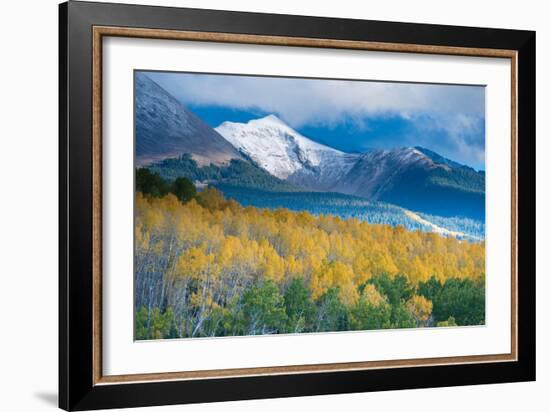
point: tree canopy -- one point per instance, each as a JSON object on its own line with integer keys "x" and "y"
{"x": 207, "y": 266}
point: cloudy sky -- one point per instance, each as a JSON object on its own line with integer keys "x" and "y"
{"x": 347, "y": 115}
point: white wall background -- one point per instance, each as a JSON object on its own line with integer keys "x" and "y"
{"x": 28, "y": 206}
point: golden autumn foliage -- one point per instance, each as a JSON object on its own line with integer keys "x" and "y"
{"x": 420, "y": 308}
{"x": 211, "y": 267}
{"x": 222, "y": 238}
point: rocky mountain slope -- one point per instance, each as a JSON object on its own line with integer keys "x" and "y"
{"x": 167, "y": 129}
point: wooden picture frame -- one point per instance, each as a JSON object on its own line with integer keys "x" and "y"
{"x": 83, "y": 26}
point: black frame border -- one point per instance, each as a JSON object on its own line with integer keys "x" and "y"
{"x": 76, "y": 387}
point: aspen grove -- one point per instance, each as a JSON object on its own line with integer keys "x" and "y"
{"x": 206, "y": 266}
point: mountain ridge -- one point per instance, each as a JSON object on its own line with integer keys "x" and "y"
{"x": 408, "y": 176}
{"x": 287, "y": 154}
{"x": 166, "y": 129}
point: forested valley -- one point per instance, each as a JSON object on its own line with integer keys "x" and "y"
{"x": 207, "y": 266}
{"x": 250, "y": 185}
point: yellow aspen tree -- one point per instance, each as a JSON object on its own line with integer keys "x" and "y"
{"x": 420, "y": 308}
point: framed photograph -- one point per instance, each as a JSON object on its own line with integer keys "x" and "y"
{"x": 256, "y": 205}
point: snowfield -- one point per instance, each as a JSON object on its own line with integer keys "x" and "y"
{"x": 286, "y": 154}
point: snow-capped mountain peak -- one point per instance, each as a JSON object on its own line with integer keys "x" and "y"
{"x": 270, "y": 120}
{"x": 413, "y": 177}
{"x": 281, "y": 150}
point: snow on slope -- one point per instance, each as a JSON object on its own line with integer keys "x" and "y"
{"x": 377, "y": 170}
{"x": 438, "y": 229}
{"x": 285, "y": 153}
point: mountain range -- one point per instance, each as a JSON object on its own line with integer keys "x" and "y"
{"x": 267, "y": 153}
{"x": 412, "y": 177}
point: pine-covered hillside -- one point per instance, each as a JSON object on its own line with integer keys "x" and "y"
{"x": 238, "y": 173}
